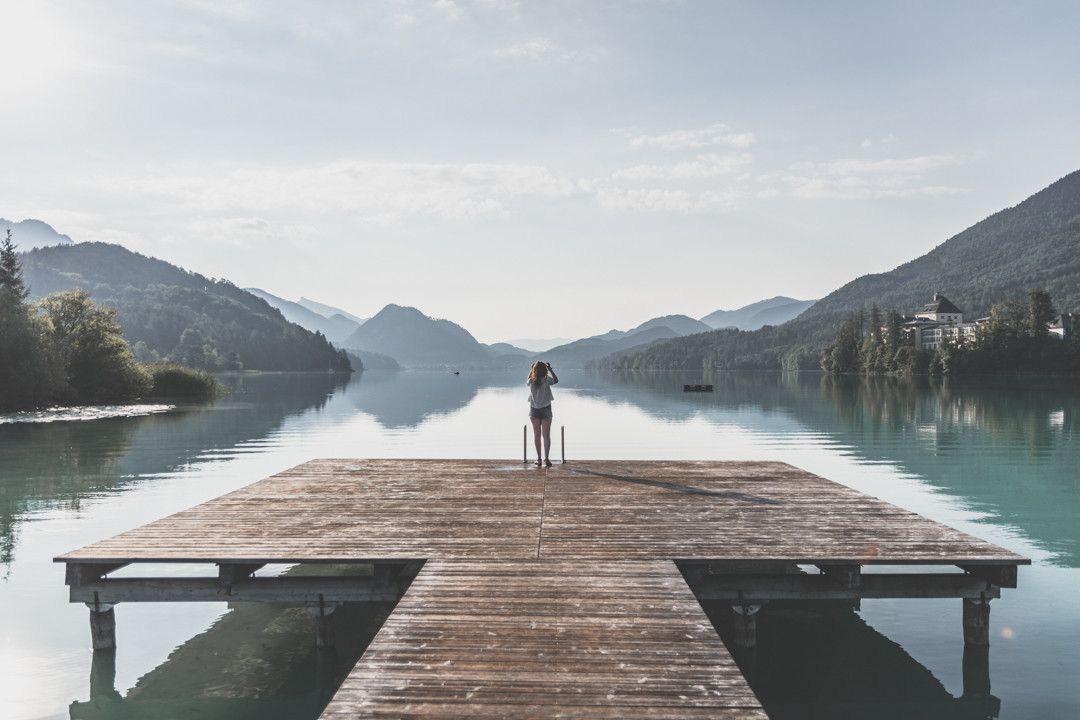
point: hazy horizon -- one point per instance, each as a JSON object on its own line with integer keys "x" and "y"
{"x": 533, "y": 170}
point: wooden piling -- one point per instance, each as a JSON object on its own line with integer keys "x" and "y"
{"x": 525, "y": 444}
{"x": 562, "y": 442}
{"x": 102, "y": 626}
{"x": 976, "y": 621}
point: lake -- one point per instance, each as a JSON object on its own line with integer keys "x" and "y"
{"x": 998, "y": 458}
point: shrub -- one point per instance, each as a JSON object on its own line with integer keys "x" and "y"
{"x": 171, "y": 380}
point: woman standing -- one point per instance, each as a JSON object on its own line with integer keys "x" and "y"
{"x": 541, "y": 378}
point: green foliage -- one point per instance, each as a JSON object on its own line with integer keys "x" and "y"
{"x": 11, "y": 277}
{"x": 1015, "y": 339}
{"x": 157, "y": 304}
{"x": 172, "y": 381}
{"x": 26, "y": 373}
{"x": 1033, "y": 244}
{"x": 85, "y": 340}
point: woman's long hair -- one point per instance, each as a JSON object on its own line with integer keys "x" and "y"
{"x": 537, "y": 372}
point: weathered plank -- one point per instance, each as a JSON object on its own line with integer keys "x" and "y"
{"x": 546, "y": 639}
{"x": 350, "y": 510}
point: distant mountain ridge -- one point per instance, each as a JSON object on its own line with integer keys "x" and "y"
{"x": 328, "y": 311}
{"x": 30, "y": 233}
{"x": 157, "y": 303}
{"x": 336, "y": 327}
{"x": 416, "y": 340}
{"x": 1034, "y": 244}
{"x": 580, "y": 352}
{"x": 773, "y": 311}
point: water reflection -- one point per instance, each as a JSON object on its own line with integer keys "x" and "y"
{"x": 1007, "y": 448}
{"x": 50, "y": 466}
{"x": 1005, "y": 452}
{"x": 406, "y": 399}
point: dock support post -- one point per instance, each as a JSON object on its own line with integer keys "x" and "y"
{"x": 562, "y": 442}
{"x": 745, "y": 626}
{"x": 525, "y": 444}
{"x": 102, "y": 626}
{"x": 977, "y": 622}
{"x": 324, "y": 623}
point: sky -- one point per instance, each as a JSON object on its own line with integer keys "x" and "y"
{"x": 533, "y": 168}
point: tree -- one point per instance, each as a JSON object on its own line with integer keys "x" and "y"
{"x": 191, "y": 350}
{"x": 24, "y": 377}
{"x": 11, "y": 277}
{"x": 1040, "y": 312}
{"x": 85, "y": 340}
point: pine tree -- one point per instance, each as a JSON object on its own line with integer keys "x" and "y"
{"x": 11, "y": 278}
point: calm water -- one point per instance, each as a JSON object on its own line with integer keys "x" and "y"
{"x": 999, "y": 459}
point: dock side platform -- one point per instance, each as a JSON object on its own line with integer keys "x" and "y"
{"x": 564, "y": 592}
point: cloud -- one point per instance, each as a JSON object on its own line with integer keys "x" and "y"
{"x": 383, "y": 192}
{"x": 541, "y": 51}
{"x": 714, "y": 135}
{"x": 703, "y": 166}
{"x": 861, "y": 178}
{"x": 665, "y": 200}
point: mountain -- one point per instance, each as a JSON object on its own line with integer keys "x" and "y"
{"x": 416, "y": 340}
{"x": 773, "y": 311}
{"x": 336, "y": 327}
{"x": 580, "y": 352}
{"x": 536, "y": 345}
{"x": 363, "y": 360}
{"x": 500, "y": 349}
{"x": 1035, "y": 244}
{"x": 328, "y": 310}
{"x": 31, "y": 233}
{"x": 168, "y": 312}
{"x": 681, "y": 324}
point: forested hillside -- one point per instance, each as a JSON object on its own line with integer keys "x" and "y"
{"x": 169, "y": 313}
{"x": 1034, "y": 245}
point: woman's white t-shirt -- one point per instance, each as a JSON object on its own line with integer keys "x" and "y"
{"x": 540, "y": 392}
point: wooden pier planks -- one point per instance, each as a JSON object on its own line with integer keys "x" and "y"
{"x": 560, "y": 639}
{"x": 339, "y": 510}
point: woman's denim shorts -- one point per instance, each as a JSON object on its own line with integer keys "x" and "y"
{"x": 543, "y": 413}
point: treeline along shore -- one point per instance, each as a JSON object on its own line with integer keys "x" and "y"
{"x": 65, "y": 349}
{"x": 1020, "y": 335}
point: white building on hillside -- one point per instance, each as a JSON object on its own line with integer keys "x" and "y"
{"x": 938, "y": 322}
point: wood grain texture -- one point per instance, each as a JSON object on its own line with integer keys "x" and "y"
{"x": 557, "y": 639}
{"x": 355, "y": 510}
{"x": 546, "y": 593}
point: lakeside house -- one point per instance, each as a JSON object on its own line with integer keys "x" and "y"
{"x": 941, "y": 321}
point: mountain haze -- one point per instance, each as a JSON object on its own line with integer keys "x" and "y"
{"x": 336, "y": 327}
{"x": 328, "y": 311}
{"x": 1035, "y": 244}
{"x": 773, "y": 311}
{"x": 416, "y": 340}
{"x": 580, "y": 352}
{"x": 29, "y": 234}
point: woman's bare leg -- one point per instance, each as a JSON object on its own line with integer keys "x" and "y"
{"x": 546, "y": 426}
{"x": 536, "y": 436}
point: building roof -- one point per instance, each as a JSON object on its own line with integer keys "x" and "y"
{"x": 940, "y": 304}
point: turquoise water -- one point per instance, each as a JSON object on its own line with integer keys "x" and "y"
{"x": 997, "y": 458}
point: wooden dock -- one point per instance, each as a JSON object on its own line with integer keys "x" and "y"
{"x": 561, "y": 592}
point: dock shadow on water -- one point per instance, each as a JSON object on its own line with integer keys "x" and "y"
{"x": 811, "y": 663}
{"x": 257, "y": 662}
